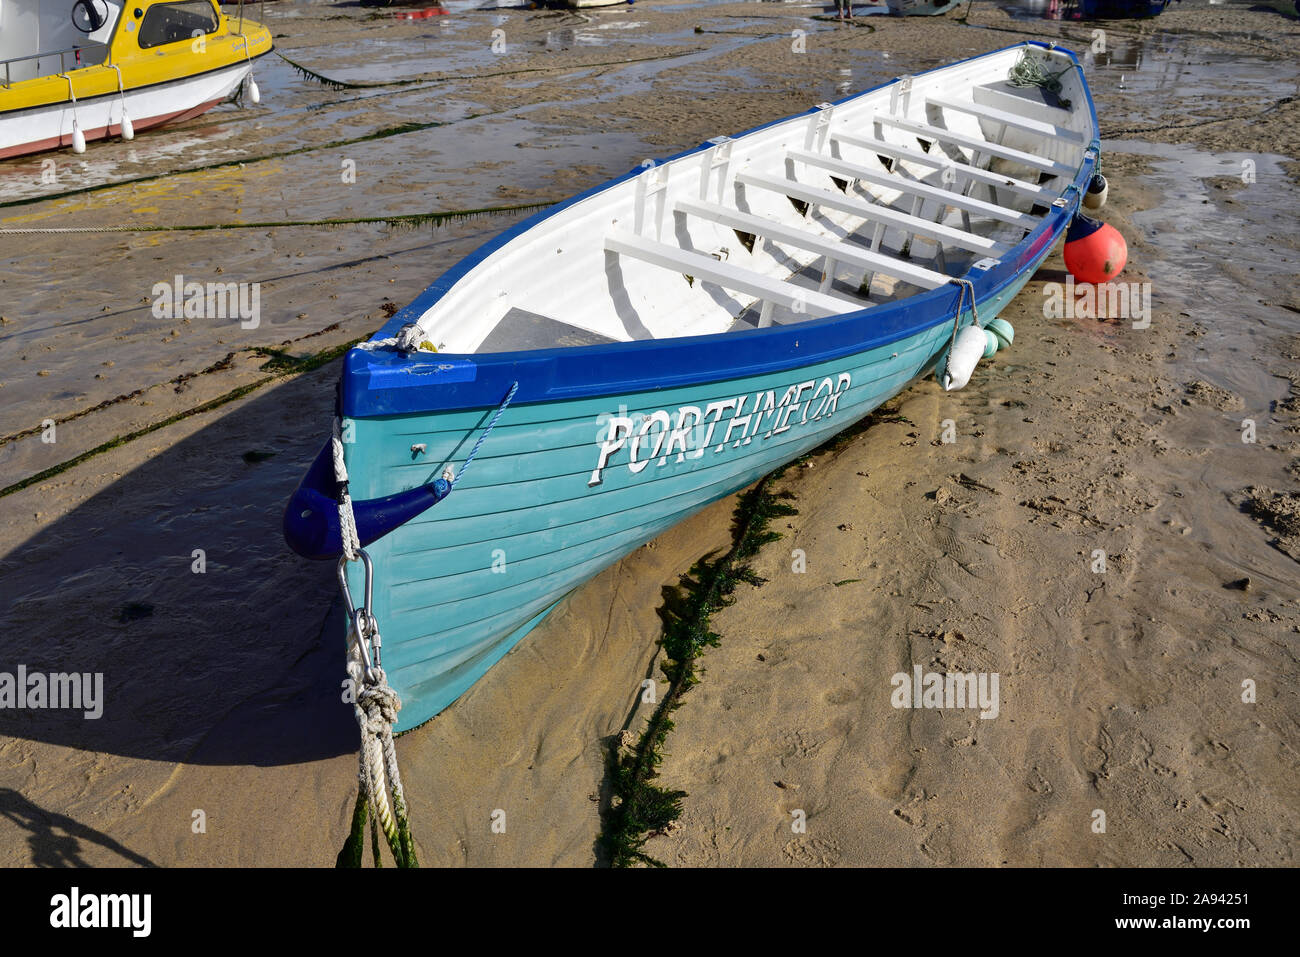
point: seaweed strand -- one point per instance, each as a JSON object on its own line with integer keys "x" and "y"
{"x": 640, "y": 808}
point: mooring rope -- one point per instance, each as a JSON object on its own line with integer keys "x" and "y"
{"x": 347, "y": 521}
{"x": 375, "y": 703}
{"x": 409, "y": 219}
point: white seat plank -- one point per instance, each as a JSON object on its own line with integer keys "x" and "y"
{"x": 914, "y": 187}
{"x": 938, "y": 161}
{"x": 707, "y": 269}
{"x": 928, "y": 132}
{"x": 1022, "y": 105}
{"x": 830, "y": 248}
{"x": 1014, "y": 120}
{"x": 875, "y": 213}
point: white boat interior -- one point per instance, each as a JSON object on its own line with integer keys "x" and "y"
{"x": 886, "y": 195}
{"x": 45, "y": 37}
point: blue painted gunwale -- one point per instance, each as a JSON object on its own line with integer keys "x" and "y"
{"x": 384, "y": 382}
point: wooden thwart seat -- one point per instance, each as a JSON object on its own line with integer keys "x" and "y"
{"x": 916, "y": 188}
{"x": 1006, "y": 118}
{"x": 835, "y": 251}
{"x": 874, "y": 212}
{"x": 939, "y": 161}
{"x": 928, "y": 132}
{"x": 770, "y": 290}
{"x": 1023, "y": 105}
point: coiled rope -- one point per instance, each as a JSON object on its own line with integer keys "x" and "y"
{"x": 1031, "y": 71}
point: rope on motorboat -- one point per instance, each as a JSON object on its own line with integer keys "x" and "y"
{"x": 374, "y": 703}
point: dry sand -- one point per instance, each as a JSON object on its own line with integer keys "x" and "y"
{"x": 1120, "y": 691}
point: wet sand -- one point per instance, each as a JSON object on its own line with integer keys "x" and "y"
{"x": 1121, "y": 690}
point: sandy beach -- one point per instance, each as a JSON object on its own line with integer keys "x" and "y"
{"x": 958, "y": 532}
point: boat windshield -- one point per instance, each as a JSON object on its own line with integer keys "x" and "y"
{"x": 169, "y": 22}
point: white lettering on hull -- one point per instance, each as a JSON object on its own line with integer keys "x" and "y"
{"x": 689, "y": 432}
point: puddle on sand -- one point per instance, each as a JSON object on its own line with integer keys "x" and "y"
{"x": 1169, "y": 67}
{"x": 1217, "y": 253}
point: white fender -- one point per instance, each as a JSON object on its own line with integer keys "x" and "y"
{"x": 1098, "y": 190}
{"x": 965, "y": 354}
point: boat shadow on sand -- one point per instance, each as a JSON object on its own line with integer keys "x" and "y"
{"x": 239, "y": 663}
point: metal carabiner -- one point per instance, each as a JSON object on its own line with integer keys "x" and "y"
{"x": 369, "y": 580}
{"x": 363, "y": 621}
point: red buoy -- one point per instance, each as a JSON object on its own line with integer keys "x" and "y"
{"x": 1094, "y": 251}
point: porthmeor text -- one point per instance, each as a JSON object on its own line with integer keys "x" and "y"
{"x": 692, "y": 431}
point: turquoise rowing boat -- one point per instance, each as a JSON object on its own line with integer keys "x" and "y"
{"x": 603, "y": 370}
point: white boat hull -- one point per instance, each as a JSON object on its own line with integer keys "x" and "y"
{"x": 50, "y": 127}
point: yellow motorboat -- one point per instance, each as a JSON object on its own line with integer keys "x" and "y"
{"x": 78, "y": 70}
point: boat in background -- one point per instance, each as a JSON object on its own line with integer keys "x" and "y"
{"x": 453, "y": 6}
{"x": 922, "y": 8}
{"x": 1113, "y": 9}
{"x": 605, "y": 369}
{"x": 72, "y": 71}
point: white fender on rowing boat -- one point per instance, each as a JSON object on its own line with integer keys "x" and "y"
{"x": 128, "y": 128}
{"x": 965, "y": 354}
{"x": 78, "y": 138}
{"x": 1098, "y": 190}
{"x": 254, "y": 93}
